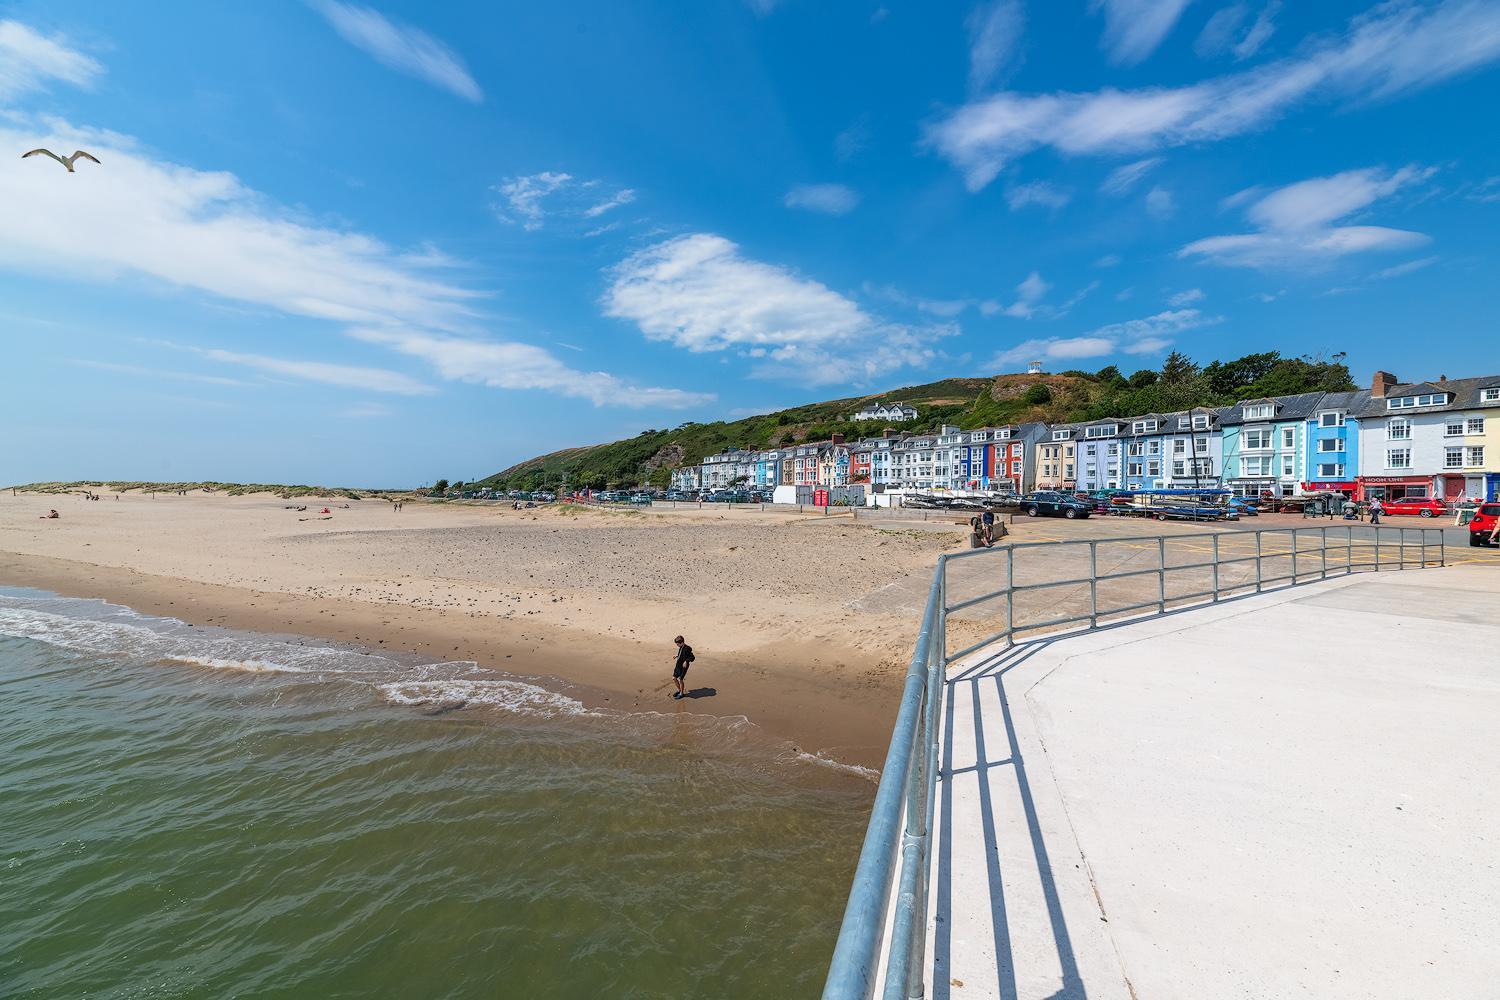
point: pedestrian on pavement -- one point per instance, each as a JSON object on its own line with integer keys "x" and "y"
{"x": 1376, "y": 509}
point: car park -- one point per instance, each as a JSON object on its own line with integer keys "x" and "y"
{"x": 1053, "y": 504}
{"x": 1420, "y": 506}
{"x": 641, "y": 499}
{"x": 1483, "y": 524}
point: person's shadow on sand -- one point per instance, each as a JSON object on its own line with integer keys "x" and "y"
{"x": 702, "y": 692}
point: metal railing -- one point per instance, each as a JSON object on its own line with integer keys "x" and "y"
{"x": 897, "y": 846}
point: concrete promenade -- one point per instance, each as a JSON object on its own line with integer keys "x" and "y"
{"x": 1292, "y": 794}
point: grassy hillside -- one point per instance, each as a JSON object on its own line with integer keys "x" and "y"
{"x": 650, "y": 456}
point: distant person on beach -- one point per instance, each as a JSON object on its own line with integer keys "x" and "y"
{"x": 50, "y": 515}
{"x": 680, "y": 668}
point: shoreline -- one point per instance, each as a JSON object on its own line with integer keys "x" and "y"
{"x": 820, "y": 697}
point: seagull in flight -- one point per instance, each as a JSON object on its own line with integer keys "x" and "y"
{"x": 66, "y": 161}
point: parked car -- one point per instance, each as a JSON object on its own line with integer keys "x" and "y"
{"x": 1420, "y": 506}
{"x": 641, "y": 499}
{"x": 1054, "y": 504}
{"x": 1483, "y": 524}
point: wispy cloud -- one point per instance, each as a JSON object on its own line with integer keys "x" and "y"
{"x": 529, "y": 200}
{"x": 1123, "y": 178}
{"x": 161, "y": 373}
{"x": 995, "y": 30}
{"x": 700, "y": 293}
{"x": 1150, "y": 335}
{"x": 945, "y": 308}
{"x": 401, "y": 47}
{"x": 29, "y": 61}
{"x": 829, "y": 199}
{"x": 1222, "y": 34}
{"x": 343, "y": 376}
{"x": 1395, "y": 48}
{"x": 853, "y": 140}
{"x": 1408, "y": 267}
{"x": 623, "y": 197}
{"x": 1160, "y": 202}
{"x": 508, "y": 365}
{"x": 1186, "y": 297}
{"x": 1036, "y": 193}
{"x": 1134, "y": 28}
{"x": 1295, "y": 222}
{"x": 1029, "y": 294}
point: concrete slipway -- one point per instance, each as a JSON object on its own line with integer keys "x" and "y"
{"x": 1295, "y": 794}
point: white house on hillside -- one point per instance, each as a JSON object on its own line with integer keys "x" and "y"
{"x": 894, "y": 412}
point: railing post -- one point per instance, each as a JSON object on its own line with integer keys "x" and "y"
{"x": 1257, "y": 562}
{"x": 1348, "y": 549}
{"x": 1010, "y": 595}
{"x": 1424, "y": 548}
{"x": 1161, "y": 574}
{"x": 1093, "y": 583}
{"x": 1377, "y": 548}
{"x": 1216, "y": 567}
{"x": 1294, "y": 557}
{"x": 1402, "y": 563}
{"x": 1442, "y": 549}
{"x": 1324, "y": 553}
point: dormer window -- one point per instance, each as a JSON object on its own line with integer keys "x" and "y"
{"x": 1143, "y": 427}
{"x": 1182, "y": 423}
{"x": 1200, "y": 422}
{"x": 1331, "y": 418}
{"x": 1061, "y": 435}
{"x": 1490, "y": 395}
{"x": 1102, "y": 431}
{"x": 1002, "y": 434}
{"x": 1407, "y": 402}
{"x": 1262, "y": 412}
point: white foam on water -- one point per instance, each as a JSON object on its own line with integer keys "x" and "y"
{"x": 868, "y": 773}
{"x": 511, "y": 695}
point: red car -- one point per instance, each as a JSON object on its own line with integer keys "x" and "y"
{"x": 1483, "y": 524}
{"x": 1421, "y": 506}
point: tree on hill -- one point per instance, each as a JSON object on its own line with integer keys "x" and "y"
{"x": 1178, "y": 368}
{"x": 441, "y": 486}
{"x": 1037, "y": 395}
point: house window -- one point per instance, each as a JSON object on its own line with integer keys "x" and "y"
{"x": 1490, "y": 395}
{"x": 1474, "y": 425}
{"x": 1015, "y": 468}
{"x": 1200, "y": 445}
{"x": 1258, "y": 465}
{"x": 1399, "y": 430}
{"x": 1398, "y": 458}
{"x": 1179, "y": 447}
{"x": 1257, "y": 440}
{"x": 1107, "y": 430}
{"x": 1331, "y": 444}
{"x": 1135, "y": 468}
{"x": 1200, "y": 422}
{"x": 1288, "y": 438}
{"x": 1182, "y": 423}
{"x": 1406, "y": 402}
{"x": 1332, "y": 418}
{"x": 1179, "y": 468}
{"x": 1259, "y": 412}
{"x": 1453, "y": 458}
{"x": 1287, "y": 465}
{"x": 1155, "y": 447}
{"x": 1060, "y": 435}
{"x": 1330, "y": 470}
{"x": 1114, "y": 449}
{"x": 1091, "y": 450}
{"x": 1475, "y": 456}
{"x": 1153, "y": 468}
{"x": 1143, "y": 426}
{"x": 1453, "y": 428}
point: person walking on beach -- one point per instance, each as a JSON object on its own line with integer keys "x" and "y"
{"x": 680, "y": 668}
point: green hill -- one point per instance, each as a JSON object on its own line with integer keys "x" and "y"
{"x": 650, "y": 456}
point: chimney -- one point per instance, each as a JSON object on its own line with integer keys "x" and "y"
{"x": 1382, "y": 382}
{"x": 890, "y": 432}
{"x": 837, "y": 438}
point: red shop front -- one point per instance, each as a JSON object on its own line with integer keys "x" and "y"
{"x": 1347, "y": 487}
{"x": 1394, "y": 487}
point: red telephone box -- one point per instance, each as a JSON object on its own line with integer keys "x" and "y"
{"x": 820, "y": 498}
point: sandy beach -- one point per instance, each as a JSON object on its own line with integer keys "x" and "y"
{"x": 800, "y": 623}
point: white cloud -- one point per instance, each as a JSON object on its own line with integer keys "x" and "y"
{"x": 145, "y": 372}
{"x": 1108, "y": 260}
{"x": 830, "y": 199}
{"x": 1036, "y": 193}
{"x": 142, "y": 216}
{"x": 1184, "y": 298}
{"x": 1395, "y": 48}
{"x": 401, "y": 47}
{"x": 1295, "y": 222}
{"x": 1160, "y": 203}
{"x": 1408, "y": 267}
{"x": 995, "y": 30}
{"x": 624, "y": 197}
{"x": 509, "y": 365}
{"x": 698, "y": 292}
{"x": 344, "y": 376}
{"x": 29, "y": 61}
{"x": 1486, "y": 191}
{"x": 1150, "y": 335}
{"x": 1134, "y": 28}
{"x": 1222, "y": 32}
{"x": 206, "y": 232}
{"x": 1123, "y": 178}
{"x": 524, "y": 196}
{"x": 1029, "y": 295}
{"x": 1313, "y": 203}
{"x": 946, "y": 308}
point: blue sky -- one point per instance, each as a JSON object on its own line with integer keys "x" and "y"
{"x": 339, "y": 243}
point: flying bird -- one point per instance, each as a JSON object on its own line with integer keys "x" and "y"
{"x": 66, "y": 161}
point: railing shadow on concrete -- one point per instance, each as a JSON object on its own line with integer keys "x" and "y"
{"x": 898, "y": 839}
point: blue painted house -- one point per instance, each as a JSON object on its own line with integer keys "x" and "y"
{"x": 1332, "y": 459}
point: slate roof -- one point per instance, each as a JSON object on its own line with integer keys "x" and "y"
{"x": 1466, "y": 393}
{"x": 1298, "y": 407}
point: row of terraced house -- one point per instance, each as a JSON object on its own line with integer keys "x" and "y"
{"x": 1393, "y": 440}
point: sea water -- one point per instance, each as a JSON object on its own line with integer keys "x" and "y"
{"x": 190, "y": 812}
